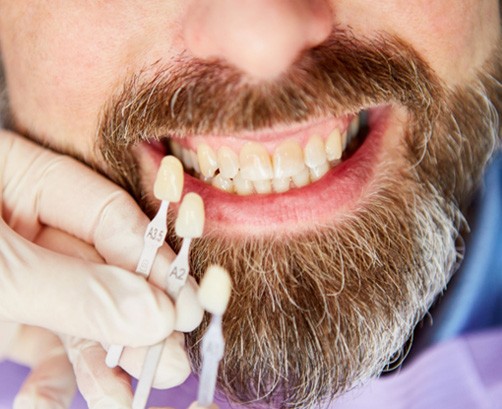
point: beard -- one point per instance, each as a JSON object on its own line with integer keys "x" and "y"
{"x": 316, "y": 313}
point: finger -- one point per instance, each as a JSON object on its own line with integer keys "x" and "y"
{"x": 9, "y": 332}
{"x": 195, "y": 405}
{"x": 58, "y": 191}
{"x": 101, "y": 387}
{"x": 173, "y": 368}
{"x": 189, "y": 313}
{"x": 72, "y": 296}
{"x": 51, "y": 192}
{"x": 51, "y": 383}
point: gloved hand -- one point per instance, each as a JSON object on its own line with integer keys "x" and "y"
{"x": 91, "y": 294}
{"x": 195, "y": 405}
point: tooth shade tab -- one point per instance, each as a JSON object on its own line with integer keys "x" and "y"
{"x": 215, "y": 289}
{"x": 191, "y": 216}
{"x": 169, "y": 181}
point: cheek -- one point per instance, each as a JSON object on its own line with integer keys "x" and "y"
{"x": 454, "y": 37}
{"x": 63, "y": 64}
{"x": 57, "y": 79}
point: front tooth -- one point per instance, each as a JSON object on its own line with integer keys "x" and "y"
{"x": 344, "y": 140}
{"x": 242, "y": 186}
{"x": 334, "y": 145}
{"x": 302, "y": 178}
{"x": 255, "y": 162}
{"x": 262, "y": 186}
{"x": 191, "y": 216}
{"x": 207, "y": 160}
{"x": 288, "y": 159}
{"x": 319, "y": 171}
{"x": 314, "y": 152}
{"x": 228, "y": 162}
{"x": 281, "y": 185}
{"x": 223, "y": 183}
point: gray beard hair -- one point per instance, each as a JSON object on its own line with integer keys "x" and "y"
{"x": 317, "y": 314}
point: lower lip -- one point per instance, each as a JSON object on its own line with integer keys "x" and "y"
{"x": 319, "y": 203}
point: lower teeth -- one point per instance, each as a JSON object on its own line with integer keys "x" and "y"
{"x": 244, "y": 187}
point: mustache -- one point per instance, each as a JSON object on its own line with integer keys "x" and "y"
{"x": 340, "y": 76}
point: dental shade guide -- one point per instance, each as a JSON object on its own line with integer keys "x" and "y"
{"x": 214, "y": 294}
{"x": 167, "y": 188}
{"x": 189, "y": 225}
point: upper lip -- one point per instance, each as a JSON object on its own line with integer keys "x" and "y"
{"x": 279, "y": 162}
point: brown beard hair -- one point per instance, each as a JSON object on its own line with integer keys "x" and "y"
{"x": 315, "y": 314}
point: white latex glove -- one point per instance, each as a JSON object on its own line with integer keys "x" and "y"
{"x": 83, "y": 299}
{"x": 51, "y": 383}
{"x": 195, "y": 405}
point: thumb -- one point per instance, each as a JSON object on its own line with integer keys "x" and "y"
{"x": 79, "y": 298}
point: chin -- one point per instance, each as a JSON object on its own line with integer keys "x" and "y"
{"x": 338, "y": 227}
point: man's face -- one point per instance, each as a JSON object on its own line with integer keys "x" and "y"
{"x": 333, "y": 143}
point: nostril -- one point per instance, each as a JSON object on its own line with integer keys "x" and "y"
{"x": 262, "y": 38}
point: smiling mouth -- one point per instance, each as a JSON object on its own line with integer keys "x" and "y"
{"x": 291, "y": 176}
{"x": 271, "y": 164}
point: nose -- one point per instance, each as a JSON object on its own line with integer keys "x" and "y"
{"x": 260, "y": 37}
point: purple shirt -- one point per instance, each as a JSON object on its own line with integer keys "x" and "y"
{"x": 463, "y": 373}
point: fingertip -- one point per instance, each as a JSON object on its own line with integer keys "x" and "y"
{"x": 127, "y": 310}
{"x": 189, "y": 312}
{"x": 174, "y": 366}
{"x": 24, "y": 401}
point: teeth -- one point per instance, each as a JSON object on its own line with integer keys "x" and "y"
{"x": 353, "y": 127}
{"x": 186, "y": 158}
{"x": 195, "y": 161}
{"x": 302, "y": 179}
{"x": 228, "y": 161}
{"x": 344, "y": 141}
{"x": 263, "y": 186}
{"x": 243, "y": 186}
{"x": 319, "y": 171}
{"x": 207, "y": 160}
{"x": 176, "y": 148}
{"x": 223, "y": 183}
{"x": 314, "y": 153}
{"x": 281, "y": 185}
{"x": 334, "y": 145}
{"x": 255, "y": 162}
{"x": 254, "y": 169}
{"x": 288, "y": 159}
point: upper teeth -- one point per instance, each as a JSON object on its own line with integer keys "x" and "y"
{"x": 253, "y": 169}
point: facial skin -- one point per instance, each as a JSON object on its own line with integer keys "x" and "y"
{"x": 329, "y": 279}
